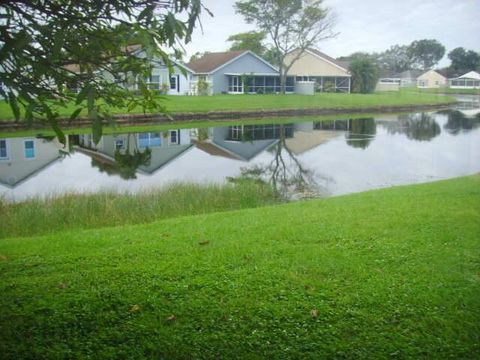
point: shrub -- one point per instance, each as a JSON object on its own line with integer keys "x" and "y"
{"x": 364, "y": 75}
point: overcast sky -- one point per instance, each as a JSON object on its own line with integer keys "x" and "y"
{"x": 364, "y": 25}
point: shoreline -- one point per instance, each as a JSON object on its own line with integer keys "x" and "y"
{"x": 226, "y": 115}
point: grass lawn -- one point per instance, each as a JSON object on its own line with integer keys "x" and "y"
{"x": 390, "y": 273}
{"x": 444, "y": 90}
{"x": 84, "y": 211}
{"x": 257, "y": 102}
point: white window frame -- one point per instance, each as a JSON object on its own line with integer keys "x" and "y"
{"x": 25, "y": 149}
{"x": 122, "y": 146}
{"x": 177, "y": 134}
{"x": 173, "y": 77}
{"x": 7, "y": 149}
{"x": 149, "y": 146}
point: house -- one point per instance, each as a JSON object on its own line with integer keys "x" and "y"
{"x": 238, "y": 72}
{"x": 243, "y": 142}
{"x": 470, "y": 80}
{"x": 431, "y": 79}
{"x": 403, "y": 79}
{"x": 329, "y": 74}
{"x": 24, "y": 157}
{"x": 165, "y": 146}
{"x": 175, "y": 83}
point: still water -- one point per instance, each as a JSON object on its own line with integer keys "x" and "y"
{"x": 300, "y": 158}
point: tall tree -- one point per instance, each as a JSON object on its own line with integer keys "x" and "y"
{"x": 290, "y": 24}
{"x": 50, "y": 46}
{"x": 364, "y": 75}
{"x": 396, "y": 59}
{"x": 426, "y": 53}
{"x": 463, "y": 60}
{"x": 252, "y": 40}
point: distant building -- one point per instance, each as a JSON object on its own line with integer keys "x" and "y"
{"x": 470, "y": 80}
{"x": 431, "y": 80}
{"x": 403, "y": 79}
{"x": 329, "y": 74}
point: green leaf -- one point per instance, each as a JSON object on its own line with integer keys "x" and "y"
{"x": 29, "y": 114}
{"x": 82, "y": 95}
{"x": 97, "y": 129}
{"x": 12, "y": 100}
{"x": 75, "y": 114}
{"x": 91, "y": 103}
{"x": 146, "y": 13}
{"x": 58, "y": 131}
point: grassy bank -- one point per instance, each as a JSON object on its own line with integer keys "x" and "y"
{"x": 203, "y": 104}
{"x": 444, "y": 91}
{"x": 385, "y": 274}
{"x": 82, "y": 211}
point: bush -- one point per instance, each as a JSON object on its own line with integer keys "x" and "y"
{"x": 203, "y": 88}
{"x": 364, "y": 76}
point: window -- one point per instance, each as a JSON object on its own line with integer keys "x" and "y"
{"x": 173, "y": 82}
{"x": 235, "y": 84}
{"x": 149, "y": 140}
{"x": 29, "y": 149}
{"x": 174, "y": 137}
{"x": 3, "y": 150}
{"x": 119, "y": 144}
{"x": 153, "y": 82}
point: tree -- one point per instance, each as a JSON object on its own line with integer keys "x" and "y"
{"x": 426, "y": 53}
{"x": 252, "y": 40}
{"x": 362, "y": 132}
{"x": 463, "y": 60}
{"x": 198, "y": 55}
{"x": 52, "y": 46}
{"x": 396, "y": 59}
{"x": 364, "y": 75}
{"x": 290, "y": 24}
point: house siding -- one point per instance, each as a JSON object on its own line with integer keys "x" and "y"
{"x": 431, "y": 79}
{"x": 246, "y": 64}
{"x": 312, "y": 65}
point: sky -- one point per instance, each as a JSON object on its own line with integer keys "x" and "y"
{"x": 363, "y": 25}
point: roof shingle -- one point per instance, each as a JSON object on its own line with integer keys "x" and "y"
{"x": 212, "y": 61}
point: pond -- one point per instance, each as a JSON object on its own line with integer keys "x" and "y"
{"x": 300, "y": 158}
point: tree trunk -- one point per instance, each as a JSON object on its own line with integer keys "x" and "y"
{"x": 283, "y": 77}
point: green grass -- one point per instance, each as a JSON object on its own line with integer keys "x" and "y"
{"x": 83, "y": 211}
{"x": 443, "y": 90}
{"x": 203, "y": 104}
{"x": 392, "y": 273}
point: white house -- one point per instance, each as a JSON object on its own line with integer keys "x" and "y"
{"x": 431, "y": 79}
{"x": 470, "y": 80}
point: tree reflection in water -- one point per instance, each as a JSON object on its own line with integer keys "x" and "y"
{"x": 458, "y": 122}
{"x": 126, "y": 162}
{"x": 288, "y": 176}
{"x": 362, "y": 132}
{"x": 420, "y": 126}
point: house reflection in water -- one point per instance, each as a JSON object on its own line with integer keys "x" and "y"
{"x": 245, "y": 142}
{"x": 161, "y": 148}
{"x": 23, "y": 157}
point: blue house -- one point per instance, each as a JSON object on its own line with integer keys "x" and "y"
{"x": 238, "y": 72}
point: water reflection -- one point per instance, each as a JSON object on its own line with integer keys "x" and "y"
{"x": 289, "y": 176}
{"x": 420, "y": 127}
{"x": 362, "y": 132}
{"x": 459, "y": 122}
{"x": 313, "y": 157}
